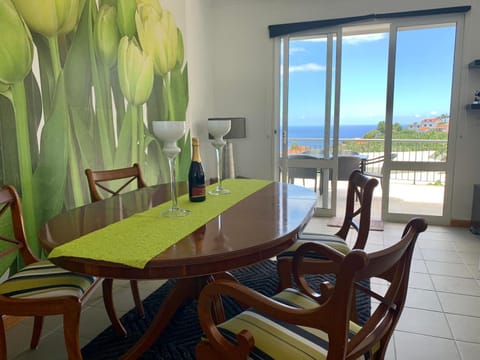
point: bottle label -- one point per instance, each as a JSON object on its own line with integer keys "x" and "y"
{"x": 198, "y": 191}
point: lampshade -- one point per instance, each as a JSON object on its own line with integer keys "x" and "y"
{"x": 238, "y": 129}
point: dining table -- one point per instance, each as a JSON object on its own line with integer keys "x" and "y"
{"x": 257, "y": 221}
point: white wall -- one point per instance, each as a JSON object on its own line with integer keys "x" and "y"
{"x": 231, "y": 73}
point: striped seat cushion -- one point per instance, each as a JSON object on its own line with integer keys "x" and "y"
{"x": 43, "y": 279}
{"x": 331, "y": 240}
{"x": 275, "y": 339}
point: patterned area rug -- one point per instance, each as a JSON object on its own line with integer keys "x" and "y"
{"x": 179, "y": 339}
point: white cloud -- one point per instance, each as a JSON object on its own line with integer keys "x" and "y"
{"x": 307, "y": 68}
{"x": 358, "y": 39}
{"x": 319, "y": 39}
{"x": 297, "y": 49}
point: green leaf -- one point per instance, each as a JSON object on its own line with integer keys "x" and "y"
{"x": 184, "y": 158}
{"x": 103, "y": 107}
{"x": 156, "y": 165}
{"x": 156, "y": 104}
{"x": 78, "y": 74}
{"x": 83, "y": 138}
{"x": 49, "y": 179}
{"x": 34, "y": 109}
{"x": 6, "y": 229}
{"x": 123, "y": 155}
{"x": 179, "y": 88}
{"x": 9, "y": 170}
{"x": 118, "y": 98}
{"x": 47, "y": 78}
{"x": 78, "y": 77}
{"x": 155, "y": 168}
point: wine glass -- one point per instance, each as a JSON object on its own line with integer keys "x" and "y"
{"x": 169, "y": 132}
{"x": 218, "y": 129}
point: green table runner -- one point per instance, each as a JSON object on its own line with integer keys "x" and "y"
{"x": 135, "y": 240}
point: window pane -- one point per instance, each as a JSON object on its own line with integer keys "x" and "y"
{"x": 417, "y": 192}
{"x": 422, "y": 92}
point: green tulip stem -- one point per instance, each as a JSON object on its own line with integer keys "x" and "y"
{"x": 102, "y": 110}
{"x": 54, "y": 55}
{"x": 171, "y": 106}
{"x": 73, "y": 165}
{"x": 141, "y": 135}
{"x": 72, "y": 157}
{"x": 103, "y": 127}
{"x": 109, "y": 106}
{"x": 132, "y": 111}
{"x": 19, "y": 103}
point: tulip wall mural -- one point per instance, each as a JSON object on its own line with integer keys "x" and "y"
{"x": 81, "y": 82}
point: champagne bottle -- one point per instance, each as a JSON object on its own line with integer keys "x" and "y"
{"x": 196, "y": 175}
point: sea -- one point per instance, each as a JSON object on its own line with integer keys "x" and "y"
{"x": 346, "y": 132}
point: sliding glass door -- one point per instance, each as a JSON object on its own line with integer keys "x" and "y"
{"x": 363, "y": 93}
{"x": 420, "y": 120}
{"x": 373, "y": 90}
{"x": 309, "y": 126}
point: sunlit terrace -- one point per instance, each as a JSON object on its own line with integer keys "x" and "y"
{"x": 410, "y": 192}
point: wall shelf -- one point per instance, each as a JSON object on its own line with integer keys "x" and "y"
{"x": 473, "y": 107}
{"x": 474, "y": 64}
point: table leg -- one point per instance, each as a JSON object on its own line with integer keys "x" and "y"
{"x": 107, "y": 286}
{"x": 184, "y": 290}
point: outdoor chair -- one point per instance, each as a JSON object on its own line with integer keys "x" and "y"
{"x": 299, "y": 324}
{"x": 347, "y": 164}
{"x": 101, "y": 184}
{"x": 303, "y": 172}
{"x": 375, "y": 163}
{"x": 39, "y": 288}
{"x": 357, "y": 216}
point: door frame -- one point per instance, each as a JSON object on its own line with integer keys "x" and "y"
{"x": 281, "y": 162}
{"x": 328, "y": 165}
{"x": 448, "y": 167}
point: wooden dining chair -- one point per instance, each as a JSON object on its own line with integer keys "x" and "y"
{"x": 357, "y": 217}
{"x": 299, "y": 324}
{"x": 102, "y": 184}
{"x": 39, "y": 288}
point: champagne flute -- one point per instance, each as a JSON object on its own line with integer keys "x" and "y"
{"x": 218, "y": 129}
{"x": 169, "y": 132}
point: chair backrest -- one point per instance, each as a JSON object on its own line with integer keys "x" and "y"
{"x": 358, "y": 208}
{"x": 13, "y": 238}
{"x": 391, "y": 264}
{"x": 103, "y": 181}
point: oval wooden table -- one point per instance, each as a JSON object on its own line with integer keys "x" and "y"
{"x": 255, "y": 229}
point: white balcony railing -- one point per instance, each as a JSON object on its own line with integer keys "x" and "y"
{"x": 411, "y": 150}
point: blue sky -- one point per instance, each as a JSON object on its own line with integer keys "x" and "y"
{"x": 422, "y": 83}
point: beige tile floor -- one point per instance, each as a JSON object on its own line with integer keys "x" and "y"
{"x": 441, "y": 320}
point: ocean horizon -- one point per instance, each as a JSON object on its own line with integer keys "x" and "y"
{"x": 316, "y": 132}
{"x": 346, "y": 131}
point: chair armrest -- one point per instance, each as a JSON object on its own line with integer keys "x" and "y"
{"x": 331, "y": 265}
{"x": 251, "y": 298}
